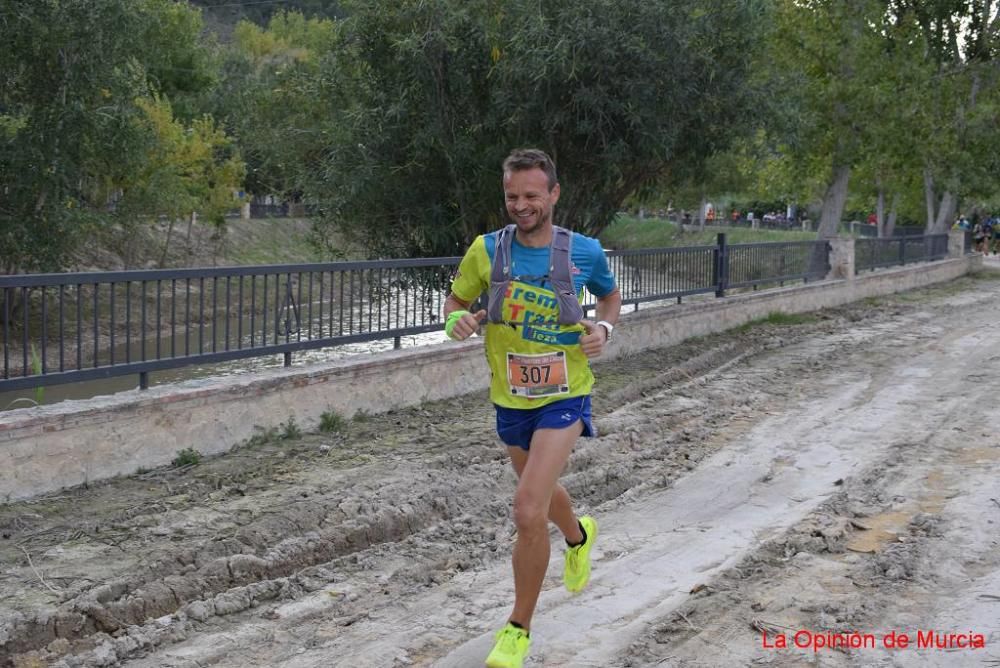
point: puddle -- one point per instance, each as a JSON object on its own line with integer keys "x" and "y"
{"x": 877, "y": 531}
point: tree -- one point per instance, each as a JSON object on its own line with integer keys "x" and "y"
{"x": 886, "y": 171}
{"x": 223, "y": 16}
{"x": 889, "y": 90}
{"x": 426, "y": 98}
{"x": 71, "y": 73}
{"x": 269, "y": 100}
{"x": 831, "y": 54}
{"x": 959, "y": 143}
{"x": 182, "y": 169}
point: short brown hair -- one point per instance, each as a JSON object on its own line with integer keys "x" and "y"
{"x": 521, "y": 159}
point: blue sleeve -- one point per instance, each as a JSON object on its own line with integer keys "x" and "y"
{"x": 601, "y": 281}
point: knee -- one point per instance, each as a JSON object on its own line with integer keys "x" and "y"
{"x": 529, "y": 514}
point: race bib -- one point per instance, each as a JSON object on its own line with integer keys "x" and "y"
{"x": 533, "y": 376}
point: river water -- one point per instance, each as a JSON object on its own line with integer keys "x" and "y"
{"x": 105, "y": 386}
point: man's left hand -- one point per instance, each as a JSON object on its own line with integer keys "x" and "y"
{"x": 594, "y": 339}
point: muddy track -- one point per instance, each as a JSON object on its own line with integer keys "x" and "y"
{"x": 334, "y": 528}
{"x": 889, "y": 552}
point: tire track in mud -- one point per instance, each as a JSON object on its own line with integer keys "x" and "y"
{"x": 252, "y": 565}
{"x": 359, "y": 644}
{"x": 909, "y": 545}
{"x": 397, "y": 505}
{"x": 876, "y": 558}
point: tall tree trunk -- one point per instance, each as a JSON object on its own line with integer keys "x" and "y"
{"x": 833, "y": 202}
{"x": 701, "y": 213}
{"x": 166, "y": 244}
{"x": 930, "y": 199}
{"x": 829, "y": 220}
{"x": 890, "y": 223}
{"x": 880, "y": 211}
{"x": 946, "y": 213}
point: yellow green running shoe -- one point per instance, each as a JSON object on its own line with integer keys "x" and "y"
{"x": 576, "y": 572}
{"x": 511, "y": 648}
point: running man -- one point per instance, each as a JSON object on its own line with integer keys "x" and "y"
{"x": 538, "y": 346}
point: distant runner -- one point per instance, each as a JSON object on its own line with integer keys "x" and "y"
{"x": 538, "y": 346}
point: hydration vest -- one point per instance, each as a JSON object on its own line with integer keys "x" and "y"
{"x": 560, "y": 275}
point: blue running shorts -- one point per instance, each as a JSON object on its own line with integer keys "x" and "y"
{"x": 516, "y": 426}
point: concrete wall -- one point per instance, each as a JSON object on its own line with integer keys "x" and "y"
{"x": 51, "y": 447}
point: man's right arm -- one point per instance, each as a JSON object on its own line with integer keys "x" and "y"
{"x": 459, "y": 323}
{"x": 467, "y": 323}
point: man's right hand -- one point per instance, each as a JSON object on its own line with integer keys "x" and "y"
{"x": 468, "y": 325}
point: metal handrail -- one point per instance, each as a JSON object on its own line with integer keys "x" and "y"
{"x": 871, "y": 254}
{"x": 70, "y": 327}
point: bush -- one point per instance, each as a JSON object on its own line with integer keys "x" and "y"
{"x": 331, "y": 421}
{"x": 290, "y": 430}
{"x": 186, "y": 457}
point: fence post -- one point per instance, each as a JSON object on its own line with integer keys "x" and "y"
{"x": 842, "y": 258}
{"x": 956, "y": 243}
{"x": 720, "y": 262}
{"x": 902, "y": 250}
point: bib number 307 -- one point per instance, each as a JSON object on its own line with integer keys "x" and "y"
{"x": 542, "y": 375}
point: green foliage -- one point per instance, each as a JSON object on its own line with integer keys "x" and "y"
{"x": 331, "y": 421}
{"x": 270, "y": 241}
{"x": 269, "y": 98}
{"x": 887, "y": 90}
{"x": 630, "y": 232}
{"x": 224, "y": 15}
{"x": 186, "y": 457}
{"x": 184, "y": 168}
{"x": 72, "y": 71}
{"x": 779, "y": 319}
{"x": 176, "y": 169}
{"x": 262, "y": 436}
{"x": 394, "y": 117}
{"x": 425, "y": 99}
{"x": 290, "y": 430}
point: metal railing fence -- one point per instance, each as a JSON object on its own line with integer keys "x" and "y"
{"x": 64, "y": 328}
{"x": 871, "y": 231}
{"x": 759, "y": 263}
{"x": 870, "y": 254}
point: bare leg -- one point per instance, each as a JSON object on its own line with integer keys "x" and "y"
{"x": 550, "y": 449}
{"x": 560, "y": 506}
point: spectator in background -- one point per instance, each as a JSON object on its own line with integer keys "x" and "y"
{"x": 979, "y": 237}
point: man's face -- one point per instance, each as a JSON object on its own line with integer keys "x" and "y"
{"x": 528, "y": 199}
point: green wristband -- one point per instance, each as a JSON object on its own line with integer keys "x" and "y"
{"x": 453, "y": 318}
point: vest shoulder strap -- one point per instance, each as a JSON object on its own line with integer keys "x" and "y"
{"x": 560, "y": 274}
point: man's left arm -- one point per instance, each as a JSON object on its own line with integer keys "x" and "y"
{"x": 596, "y": 337}
{"x": 609, "y": 304}
{"x": 609, "y": 307}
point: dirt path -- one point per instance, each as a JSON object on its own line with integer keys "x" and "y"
{"x": 822, "y": 477}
